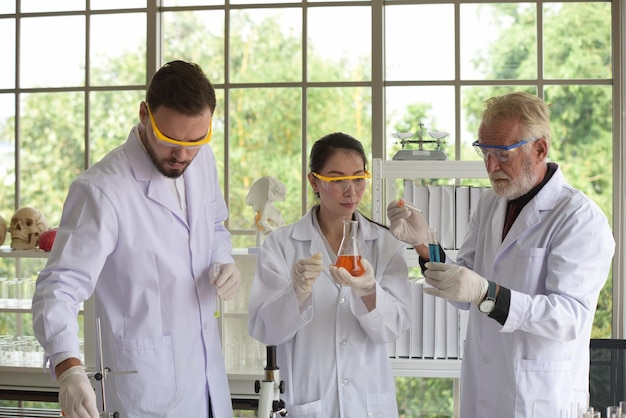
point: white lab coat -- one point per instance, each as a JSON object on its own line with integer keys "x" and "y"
{"x": 124, "y": 238}
{"x": 555, "y": 259}
{"x": 333, "y": 355}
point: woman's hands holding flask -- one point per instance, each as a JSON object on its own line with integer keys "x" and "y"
{"x": 362, "y": 285}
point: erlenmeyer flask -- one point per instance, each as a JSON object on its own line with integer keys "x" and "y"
{"x": 348, "y": 256}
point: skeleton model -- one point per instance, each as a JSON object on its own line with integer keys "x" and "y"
{"x": 27, "y": 225}
{"x": 263, "y": 192}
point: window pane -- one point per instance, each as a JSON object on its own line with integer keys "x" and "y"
{"x": 7, "y": 155}
{"x": 577, "y": 40}
{"x": 435, "y": 397}
{"x": 337, "y": 54}
{"x": 7, "y": 7}
{"x": 118, "y": 57}
{"x": 472, "y": 105}
{"x": 582, "y": 145}
{"x": 43, "y": 62}
{"x": 116, "y": 4}
{"x": 198, "y": 37}
{"x": 419, "y": 42}
{"x": 168, "y": 3}
{"x": 345, "y": 109}
{"x": 265, "y": 140}
{"x": 52, "y": 135}
{"x": 430, "y": 106}
{"x": 7, "y": 52}
{"x": 29, "y": 6}
{"x": 110, "y": 128}
{"x": 266, "y": 45}
{"x": 498, "y": 41}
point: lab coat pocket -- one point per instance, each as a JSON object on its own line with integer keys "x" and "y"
{"x": 543, "y": 387}
{"x": 313, "y": 409}
{"x": 529, "y": 267}
{"x": 382, "y": 405}
{"x": 153, "y": 386}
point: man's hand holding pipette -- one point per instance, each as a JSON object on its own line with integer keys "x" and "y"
{"x": 407, "y": 223}
{"x": 227, "y": 281}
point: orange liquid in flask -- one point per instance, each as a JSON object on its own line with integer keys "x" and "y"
{"x": 352, "y": 263}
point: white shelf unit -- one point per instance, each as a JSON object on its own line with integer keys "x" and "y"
{"x": 232, "y": 322}
{"x": 385, "y": 173}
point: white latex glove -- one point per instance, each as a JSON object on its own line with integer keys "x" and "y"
{"x": 362, "y": 285}
{"x": 407, "y": 225}
{"x": 76, "y": 395}
{"x": 454, "y": 282}
{"x": 304, "y": 274}
{"x": 227, "y": 282}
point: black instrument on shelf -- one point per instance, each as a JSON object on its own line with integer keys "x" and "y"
{"x": 269, "y": 390}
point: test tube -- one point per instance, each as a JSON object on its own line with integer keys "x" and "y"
{"x": 403, "y": 204}
{"x": 433, "y": 246}
{"x": 217, "y": 269}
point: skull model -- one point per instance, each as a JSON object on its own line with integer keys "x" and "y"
{"x": 27, "y": 224}
{"x": 3, "y": 230}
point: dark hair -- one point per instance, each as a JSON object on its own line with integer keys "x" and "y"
{"x": 182, "y": 86}
{"x": 327, "y": 145}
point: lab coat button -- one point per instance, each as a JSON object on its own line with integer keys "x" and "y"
{"x": 343, "y": 341}
{"x": 205, "y": 326}
{"x": 486, "y": 360}
{"x": 482, "y": 404}
{"x": 342, "y": 300}
{"x": 344, "y": 382}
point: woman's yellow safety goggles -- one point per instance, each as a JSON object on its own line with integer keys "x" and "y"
{"x": 170, "y": 142}
{"x": 341, "y": 183}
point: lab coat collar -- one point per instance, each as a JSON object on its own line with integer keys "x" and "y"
{"x": 144, "y": 170}
{"x": 530, "y": 215}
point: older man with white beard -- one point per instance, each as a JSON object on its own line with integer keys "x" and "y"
{"x": 530, "y": 271}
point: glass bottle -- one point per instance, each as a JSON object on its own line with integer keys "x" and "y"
{"x": 348, "y": 256}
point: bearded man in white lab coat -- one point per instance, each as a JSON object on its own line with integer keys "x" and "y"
{"x": 140, "y": 230}
{"x": 535, "y": 258}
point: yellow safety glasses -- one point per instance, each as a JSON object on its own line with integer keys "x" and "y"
{"x": 341, "y": 183}
{"x": 174, "y": 143}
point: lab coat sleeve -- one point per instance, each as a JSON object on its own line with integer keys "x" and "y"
{"x": 274, "y": 316}
{"x": 86, "y": 235}
{"x": 577, "y": 267}
{"x": 391, "y": 316}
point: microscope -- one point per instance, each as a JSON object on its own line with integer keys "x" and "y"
{"x": 269, "y": 390}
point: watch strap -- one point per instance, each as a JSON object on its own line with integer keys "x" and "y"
{"x": 491, "y": 291}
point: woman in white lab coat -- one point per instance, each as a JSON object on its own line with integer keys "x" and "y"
{"x": 331, "y": 329}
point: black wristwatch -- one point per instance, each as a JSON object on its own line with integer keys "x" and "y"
{"x": 487, "y": 305}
